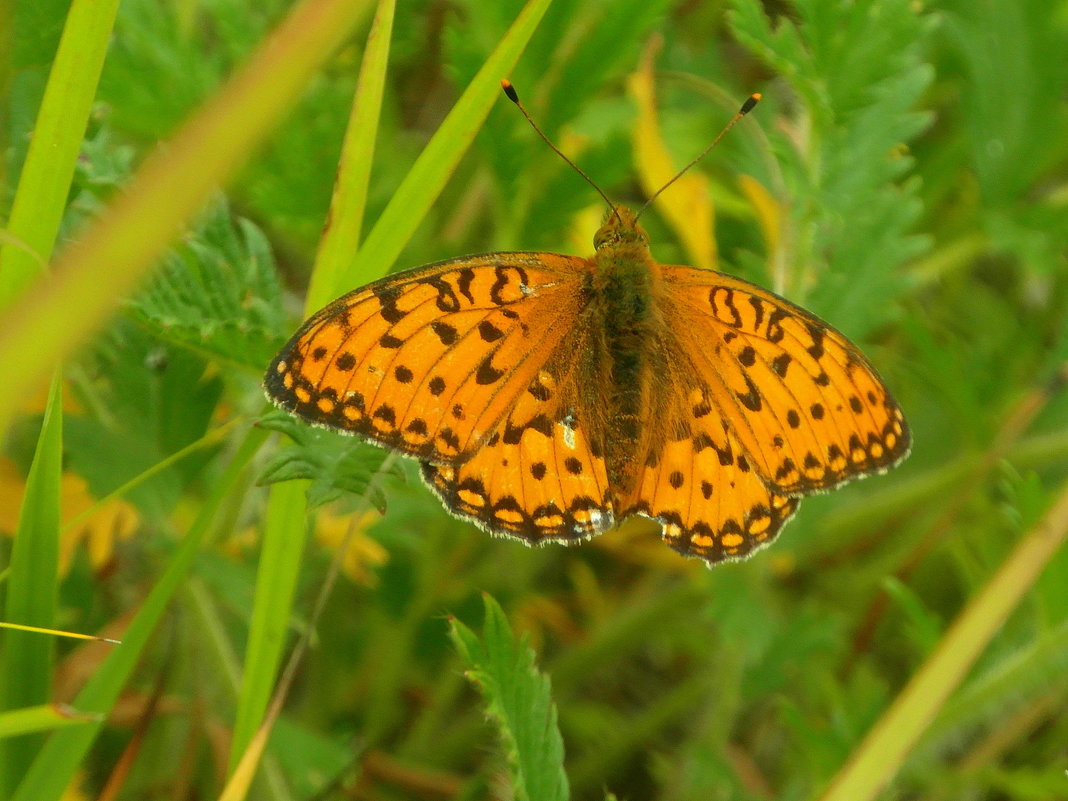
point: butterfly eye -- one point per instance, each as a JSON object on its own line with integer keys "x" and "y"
{"x": 606, "y": 235}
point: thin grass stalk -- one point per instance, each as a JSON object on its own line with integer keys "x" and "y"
{"x": 344, "y": 227}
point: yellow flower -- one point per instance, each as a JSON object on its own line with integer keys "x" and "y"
{"x": 362, "y": 554}
{"x": 109, "y": 522}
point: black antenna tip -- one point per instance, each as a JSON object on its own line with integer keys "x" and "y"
{"x": 509, "y": 90}
{"x": 750, "y": 101}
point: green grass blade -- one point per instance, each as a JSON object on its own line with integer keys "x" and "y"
{"x": 519, "y": 700}
{"x": 169, "y": 187}
{"x": 60, "y": 758}
{"x": 890, "y": 741}
{"x": 344, "y": 227}
{"x": 37, "y": 209}
{"x": 57, "y": 136}
{"x": 42, "y": 718}
{"x": 435, "y": 164}
{"x": 276, "y": 581}
{"x": 26, "y": 667}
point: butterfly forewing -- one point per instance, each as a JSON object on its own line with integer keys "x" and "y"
{"x": 429, "y": 361}
{"x": 806, "y": 407}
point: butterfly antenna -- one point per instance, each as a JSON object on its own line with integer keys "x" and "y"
{"x": 747, "y": 106}
{"x": 509, "y": 90}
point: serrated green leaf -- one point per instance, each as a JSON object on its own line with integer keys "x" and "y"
{"x": 519, "y": 700}
{"x": 334, "y": 464}
{"x": 849, "y": 202}
{"x": 217, "y": 292}
{"x": 286, "y": 467}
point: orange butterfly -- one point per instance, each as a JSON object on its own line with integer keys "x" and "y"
{"x": 549, "y": 397}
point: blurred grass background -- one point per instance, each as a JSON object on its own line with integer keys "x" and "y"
{"x": 904, "y": 178}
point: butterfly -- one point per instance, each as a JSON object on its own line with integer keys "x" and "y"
{"x": 549, "y": 397}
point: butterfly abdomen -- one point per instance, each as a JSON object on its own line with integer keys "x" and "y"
{"x": 625, "y": 288}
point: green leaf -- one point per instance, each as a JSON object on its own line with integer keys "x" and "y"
{"x": 31, "y": 229}
{"x": 925, "y": 628}
{"x": 217, "y": 292}
{"x": 276, "y": 581}
{"x": 1027, "y": 783}
{"x": 1028, "y": 670}
{"x": 890, "y": 740}
{"x": 851, "y": 208}
{"x": 519, "y": 700}
{"x": 1013, "y": 63}
{"x": 537, "y": 205}
{"x": 341, "y": 236}
{"x": 149, "y": 400}
{"x": 172, "y": 185}
{"x": 307, "y": 755}
{"x": 334, "y": 464}
{"x": 57, "y": 136}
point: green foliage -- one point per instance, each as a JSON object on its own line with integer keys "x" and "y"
{"x": 332, "y": 463}
{"x": 519, "y": 700}
{"x": 146, "y": 399}
{"x": 912, "y": 160}
{"x": 589, "y": 45}
{"x": 31, "y": 598}
{"x": 217, "y": 292}
{"x": 166, "y": 59}
{"x": 854, "y": 225}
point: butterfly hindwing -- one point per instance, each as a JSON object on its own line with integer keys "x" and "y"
{"x": 430, "y": 360}
{"x": 696, "y": 480}
{"x": 709, "y": 509}
{"x": 541, "y": 476}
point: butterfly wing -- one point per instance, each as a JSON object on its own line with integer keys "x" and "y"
{"x": 429, "y": 361}
{"x": 807, "y": 410}
{"x": 541, "y": 476}
{"x": 707, "y": 497}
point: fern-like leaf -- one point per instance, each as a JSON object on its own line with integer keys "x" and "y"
{"x": 519, "y": 701}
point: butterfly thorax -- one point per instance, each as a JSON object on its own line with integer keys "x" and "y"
{"x": 623, "y": 294}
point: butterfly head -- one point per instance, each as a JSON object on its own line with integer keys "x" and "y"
{"x": 620, "y": 227}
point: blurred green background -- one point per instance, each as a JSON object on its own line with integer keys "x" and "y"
{"x": 904, "y": 178}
